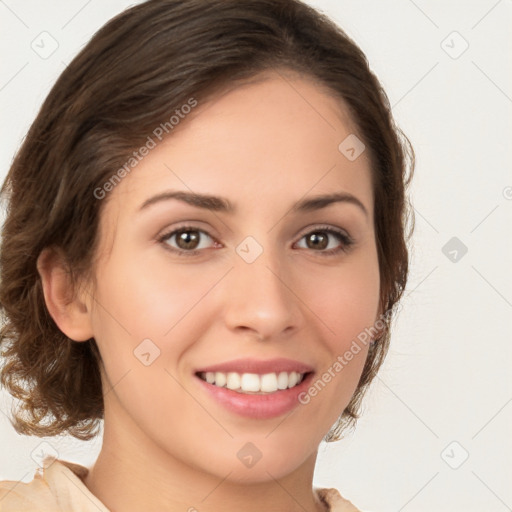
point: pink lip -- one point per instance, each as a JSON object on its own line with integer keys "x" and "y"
{"x": 259, "y": 367}
{"x": 256, "y": 406}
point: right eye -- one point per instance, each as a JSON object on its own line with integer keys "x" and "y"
{"x": 186, "y": 240}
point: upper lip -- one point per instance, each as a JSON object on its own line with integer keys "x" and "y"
{"x": 258, "y": 366}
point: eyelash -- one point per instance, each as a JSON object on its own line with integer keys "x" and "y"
{"x": 345, "y": 240}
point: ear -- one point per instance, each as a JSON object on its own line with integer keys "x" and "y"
{"x": 69, "y": 309}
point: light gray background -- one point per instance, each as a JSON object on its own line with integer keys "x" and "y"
{"x": 447, "y": 376}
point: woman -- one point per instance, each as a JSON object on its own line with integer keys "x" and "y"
{"x": 204, "y": 247}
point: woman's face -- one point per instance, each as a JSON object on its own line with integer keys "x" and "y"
{"x": 251, "y": 275}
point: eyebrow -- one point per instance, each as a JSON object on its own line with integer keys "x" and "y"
{"x": 221, "y": 204}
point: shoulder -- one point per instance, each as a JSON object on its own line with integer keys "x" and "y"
{"x": 57, "y": 487}
{"x": 334, "y": 502}
{"x": 19, "y": 496}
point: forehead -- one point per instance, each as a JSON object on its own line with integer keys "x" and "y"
{"x": 257, "y": 143}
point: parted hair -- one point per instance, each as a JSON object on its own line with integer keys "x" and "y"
{"x": 134, "y": 73}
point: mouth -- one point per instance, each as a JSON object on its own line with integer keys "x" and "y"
{"x": 254, "y": 388}
{"x": 257, "y": 396}
{"x": 254, "y": 383}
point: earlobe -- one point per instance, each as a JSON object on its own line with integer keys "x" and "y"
{"x": 70, "y": 310}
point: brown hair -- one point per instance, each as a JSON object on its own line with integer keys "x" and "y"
{"x": 134, "y": 73}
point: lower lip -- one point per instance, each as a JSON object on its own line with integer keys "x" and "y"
{"x": 258, "y": 406}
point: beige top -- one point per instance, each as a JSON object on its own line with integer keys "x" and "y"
{"x": 59, "y": 488}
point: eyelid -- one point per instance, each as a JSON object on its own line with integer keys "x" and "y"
{"x": 323, "y": 227}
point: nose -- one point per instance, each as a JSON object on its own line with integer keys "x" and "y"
{"x": 261, "y": 300}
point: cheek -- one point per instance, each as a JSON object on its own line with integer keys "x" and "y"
{"x": 139, "y": 323}
{"x": 150, "y": 316}
{"x": 345, "y": 302}
{"x": 345, "y": 299}
{"x": 149, "y": 299}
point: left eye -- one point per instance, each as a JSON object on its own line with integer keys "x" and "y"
{"x": 326, "y": 241}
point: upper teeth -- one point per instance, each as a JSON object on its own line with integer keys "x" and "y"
{"x": 252, "y": 382}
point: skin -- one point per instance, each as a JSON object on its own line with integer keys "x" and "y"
{"x": 167, "y": 445}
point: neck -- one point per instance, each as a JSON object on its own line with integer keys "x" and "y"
{"x": 132, "y": 474}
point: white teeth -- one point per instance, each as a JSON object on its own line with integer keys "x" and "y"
{"x": 252, "y": 382}
{"x": 233, "y": 381}
{"x": 220, "y": 379}
{"x": 293, "y": 379}
{"x": 268, "y": 383}
{"x": 282, "y": 380}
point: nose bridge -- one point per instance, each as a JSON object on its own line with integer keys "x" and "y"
{"x": 259, "y": 296}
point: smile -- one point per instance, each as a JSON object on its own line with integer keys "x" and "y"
{"x": 252, "y": 383}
